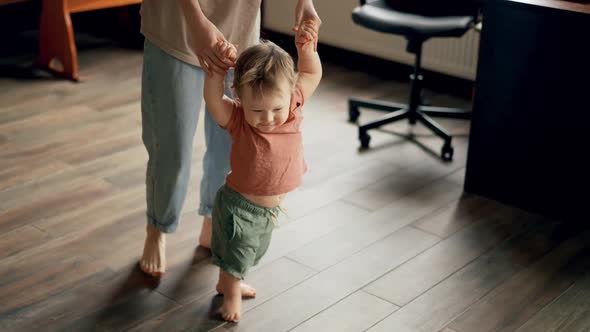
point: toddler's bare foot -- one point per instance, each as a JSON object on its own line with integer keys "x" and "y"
{"x": 153, "y": 261}
{"x": 205, "y": 237}
{"x": 232, "y": 297}
{"x": 247, "y": 290}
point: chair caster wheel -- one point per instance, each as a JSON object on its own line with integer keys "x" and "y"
{"x": 353, "y": 114}
{"x": 447, "y": 152}
{"x": 365, "y": 139}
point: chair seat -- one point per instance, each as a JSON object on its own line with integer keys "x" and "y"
{"x": 377, "y": 15}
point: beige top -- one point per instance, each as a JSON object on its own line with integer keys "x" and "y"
{"x": 164, "y": 24}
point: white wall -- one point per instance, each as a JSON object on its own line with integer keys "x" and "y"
{"x": 453, "y": 56}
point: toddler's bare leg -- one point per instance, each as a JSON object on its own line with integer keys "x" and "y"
{"x": 205, "y": 237}
{"x": 153, "y": 261}
{"x": 229, "y": 286}
{"x": 247, "y": 290}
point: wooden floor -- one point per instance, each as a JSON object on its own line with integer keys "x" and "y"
{"x": 380, "y": 240}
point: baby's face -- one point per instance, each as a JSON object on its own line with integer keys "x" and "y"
{"x": 269, "y": 111}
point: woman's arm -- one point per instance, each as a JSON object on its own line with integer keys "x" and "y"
{"x": 206, "y": 36}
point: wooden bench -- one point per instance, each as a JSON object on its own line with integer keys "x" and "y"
{"x": 8, "y": 2}
{"x": 56, "y": 34}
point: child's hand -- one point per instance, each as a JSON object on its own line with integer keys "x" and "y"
{"x": 307, "y": 34}
{"x": 227, "y": 51}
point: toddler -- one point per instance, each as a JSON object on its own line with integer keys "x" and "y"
{"x": 264, "y": 122}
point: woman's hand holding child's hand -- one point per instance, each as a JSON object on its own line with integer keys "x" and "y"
{"x": 227, "y": 52}
{"x": 307, "y": 35}
{"x": 305, "y": 11}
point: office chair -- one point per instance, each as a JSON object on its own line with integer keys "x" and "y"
{"x": 416, "y": 21}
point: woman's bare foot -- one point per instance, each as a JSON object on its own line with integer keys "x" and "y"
{"x": 232, "y": 297}
{"x": 153, "y": 261}
{"x": 205, "y": 237}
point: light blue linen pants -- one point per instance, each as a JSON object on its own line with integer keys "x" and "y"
{"x": 172, "y": 92}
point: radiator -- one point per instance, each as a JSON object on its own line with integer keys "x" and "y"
{"x": 452, "y": 56}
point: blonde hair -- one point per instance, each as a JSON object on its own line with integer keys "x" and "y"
{"x": 261, "y": 67}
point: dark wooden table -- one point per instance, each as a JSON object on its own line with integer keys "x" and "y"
{"x": 530, "y": 133}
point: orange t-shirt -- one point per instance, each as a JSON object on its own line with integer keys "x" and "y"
{"x": 267, "y": 163}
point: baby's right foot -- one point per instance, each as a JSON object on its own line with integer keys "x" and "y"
{"x": 246, "y": 290}
{"x": 153, "y": 261}
{"x": 232, "y": 305}
{"x": 232, "y": 290}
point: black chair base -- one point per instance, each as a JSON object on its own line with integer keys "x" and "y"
{"x": 414, "y": 111}
{"x": 401, "y": 111}
{"x": 417, "y": 22}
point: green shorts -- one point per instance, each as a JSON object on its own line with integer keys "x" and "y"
{"x": 241, "y": 232}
